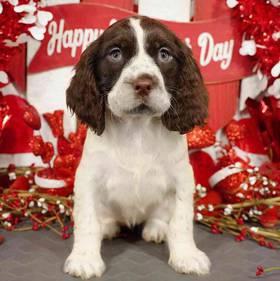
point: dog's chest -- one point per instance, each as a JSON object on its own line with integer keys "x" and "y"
{"x": 138, "y": 180}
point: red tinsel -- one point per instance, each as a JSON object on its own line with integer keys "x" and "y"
{"x": 16, "y": 21}
{"x": 10, "y": 29}
{"x": 260, "y": 21}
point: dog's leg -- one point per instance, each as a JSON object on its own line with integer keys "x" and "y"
{"x": 110, "y": 229}
{"x": 155, "y": 228}
{"x": 185, "y": 257}
{"x": 85, "y": 259}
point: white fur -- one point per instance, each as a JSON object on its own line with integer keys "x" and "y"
{"x": 136, "y": 171}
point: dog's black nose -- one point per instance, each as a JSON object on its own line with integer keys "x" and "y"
{"x": 143, "y": 85}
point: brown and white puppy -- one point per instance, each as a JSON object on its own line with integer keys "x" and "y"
{"x": 139, "y": 89}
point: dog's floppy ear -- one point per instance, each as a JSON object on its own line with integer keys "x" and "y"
{"x": 189, "y": 103}
{"x": 82, "y": 96}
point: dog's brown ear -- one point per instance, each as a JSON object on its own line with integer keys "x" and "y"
{"x": 189, "y": 103}
{"x": 83, "y": 97}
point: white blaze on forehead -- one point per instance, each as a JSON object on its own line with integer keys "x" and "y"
{"x": 142, "y": 63}
{"x": 139, "y": 33}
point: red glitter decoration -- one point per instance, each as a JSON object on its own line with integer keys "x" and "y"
{"x": 32, "y": 117}
{"x": 11, "y": 28}
{"x": 55, "y": 121}
{"x": 200, "y": 137}
{"x": 69, "y": 151}
{"x": 41, "y": 148}
{"x": 260, "y": 21}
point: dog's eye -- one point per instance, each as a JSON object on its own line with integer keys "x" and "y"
{"x": 164, "y": 55}
{"x": 115, "y": 54}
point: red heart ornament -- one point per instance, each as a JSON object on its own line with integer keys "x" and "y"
{"x": 32, "y": 118}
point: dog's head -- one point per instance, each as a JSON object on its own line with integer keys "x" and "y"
{"x": 138, "y": 67}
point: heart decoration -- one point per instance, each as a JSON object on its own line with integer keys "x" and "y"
{"x": 276, "y": 36}
{"x": 13, "y": 2}
{"x": 248, "y": 47}
{"x": 200, "y": 137}
{"x": 25, "y": 8}
{"x": 3, "y": 77}
{"x": 44, "y": 17}
{"x": 275, "y": 71}
{"x": 29, "y": 19}
{"x": 37, "y": 32}
{"x": 31, "y": 118}
{"x": 274, "y": 89}
{"x": 275, "y": 3}
{"x": 232, "y": 3}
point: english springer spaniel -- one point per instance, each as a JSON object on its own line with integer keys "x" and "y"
{"x": 138, "y": 89}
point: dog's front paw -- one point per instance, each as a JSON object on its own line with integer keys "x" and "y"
{"x": 155, "y": 231}
{"x": 194, "y": 261}
{"x": 110, "y": 230}
{"x": 84, "y": 265}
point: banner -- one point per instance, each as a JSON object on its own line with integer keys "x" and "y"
{"x": 215, "y": 43}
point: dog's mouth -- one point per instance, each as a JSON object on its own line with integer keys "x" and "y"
{"x": 141, "y": 109}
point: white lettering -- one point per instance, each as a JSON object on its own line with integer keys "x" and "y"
{"x": 219, "y": 52}
{"x": 70, "y": 38}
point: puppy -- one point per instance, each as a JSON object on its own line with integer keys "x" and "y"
{"x": 138, "y": 89}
